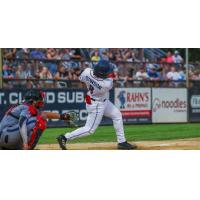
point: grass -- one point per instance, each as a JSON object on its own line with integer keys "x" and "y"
{"x": 133, "y": 133}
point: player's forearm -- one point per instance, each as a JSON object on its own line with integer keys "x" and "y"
{"x": 50, "y": 115}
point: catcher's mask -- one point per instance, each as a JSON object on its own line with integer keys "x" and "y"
{"x": 36, "y": 97}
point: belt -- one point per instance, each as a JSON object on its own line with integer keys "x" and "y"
{"x": 97, "y": 100}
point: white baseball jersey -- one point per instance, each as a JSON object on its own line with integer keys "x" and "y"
{"x": 98, "y": 88}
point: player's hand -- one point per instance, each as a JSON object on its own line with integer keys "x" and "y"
{"x": 65, "y": 116}
{"x": 71, "y": 117}
{"x": 26, "y": 147}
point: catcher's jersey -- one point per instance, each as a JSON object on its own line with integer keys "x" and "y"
{"x": 98, "y": 88}
{"x": 18, "y": 112}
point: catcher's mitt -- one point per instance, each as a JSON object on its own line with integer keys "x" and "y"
{"x": 71, "y": 118}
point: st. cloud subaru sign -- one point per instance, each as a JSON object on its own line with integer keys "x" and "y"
{"x": 57, "y": 100}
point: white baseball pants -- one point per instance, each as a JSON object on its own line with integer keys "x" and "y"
{"x": 96, "y": 111}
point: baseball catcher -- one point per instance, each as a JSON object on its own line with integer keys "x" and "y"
{"x": 23, "y": 124}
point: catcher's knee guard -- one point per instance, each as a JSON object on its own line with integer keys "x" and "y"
{"x": 37, "y": 131}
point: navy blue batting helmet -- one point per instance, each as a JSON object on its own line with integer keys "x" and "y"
{"x": 103, "y": 68}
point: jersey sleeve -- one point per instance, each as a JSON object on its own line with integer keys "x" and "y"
{"x": 109, "y": 83}
{"x": 82, "y": 77}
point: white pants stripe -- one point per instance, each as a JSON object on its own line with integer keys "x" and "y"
{"x": 96, "y": 111}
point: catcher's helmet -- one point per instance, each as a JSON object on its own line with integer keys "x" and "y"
{"x": 103, "y": 68}
{"x": 35, "y": 96}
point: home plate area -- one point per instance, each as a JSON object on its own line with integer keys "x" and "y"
{"x": 182, "y": 144}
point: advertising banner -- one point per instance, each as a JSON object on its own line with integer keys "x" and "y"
{"x": 134, "y": 104}
{"x": 194, "y": 105}
{"x": 57, "y": 100}
{"x": 169, "y": 105}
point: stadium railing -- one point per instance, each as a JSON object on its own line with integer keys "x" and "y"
{"x": 62, "y": 83}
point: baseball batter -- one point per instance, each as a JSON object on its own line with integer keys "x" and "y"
{"x": 98, "y": 105}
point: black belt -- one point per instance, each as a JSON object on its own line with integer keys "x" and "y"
{"x": 97, "y": 100}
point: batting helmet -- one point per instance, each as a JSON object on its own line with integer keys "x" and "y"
{"x": 103, "y": 68}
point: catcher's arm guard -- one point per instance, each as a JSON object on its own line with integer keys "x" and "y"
{"x": 71, "y": 118}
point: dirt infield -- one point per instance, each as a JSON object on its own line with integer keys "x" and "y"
{"x": 184, "y": 144}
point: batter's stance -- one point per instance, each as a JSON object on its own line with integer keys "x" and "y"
{"x": 98, "y": 105}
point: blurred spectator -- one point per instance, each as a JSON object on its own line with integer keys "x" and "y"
{"x": 104, "y": 55}
{"x": 194, "y": 75}
{"x": 52, "y": 54}
{"x": 9, "y": 53}
{"x": 75, "y": 54}
{"x": 141, "y": 74}
{"x": 95, "y": 57}
{"x": 174, "y": 75}
{"x": 169, "y": 58}
{"x": 65, "y": 54}
{"x": 177, "y": 58}
{"x": 8, "y": 72}
{"x": 75, "y": 73}
{"x": 62, "y": 74}
{"x": 22, "y": 53}
{"x": 128, "y": 55}
{"x": 46, "y": 74}
{"x": 22, "y": 72}
{"x": 37, "y": 54}
{"x": 152, "y": 73}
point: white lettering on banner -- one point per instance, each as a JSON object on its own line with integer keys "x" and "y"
{"x": 1, "y": 97}
{"x": 169, "y": 105}
{"x": 50, "y": 97}
{"x": 70, "y": 97}
{"x": 195, "y": 110}
{"x": 15, "y": 97}
{"x": 195, "y": 101}
{"x": 72, "y": 100}
{"x": 79, "y": 97}
{"x": 61, "y": 97}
